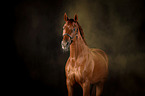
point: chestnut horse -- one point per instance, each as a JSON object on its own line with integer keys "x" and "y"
{"x": 85, "y": 66}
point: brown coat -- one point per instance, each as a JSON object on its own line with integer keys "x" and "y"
{"x": 85, "y": 65}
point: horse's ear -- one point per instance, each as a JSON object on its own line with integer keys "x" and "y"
{"x": 65, "y": 17}
{"x": 76, "y": 17}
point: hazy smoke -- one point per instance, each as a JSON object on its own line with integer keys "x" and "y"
{"x": 114, "y": 27}
{"x": 111, "y": 26}
{"x": 117, "y": 27}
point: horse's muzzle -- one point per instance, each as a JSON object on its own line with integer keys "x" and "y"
{"x": 65, "y": 45}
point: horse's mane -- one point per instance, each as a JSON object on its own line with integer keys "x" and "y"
{"x": 80, "y": 29}
{"x": 81, "y": 32}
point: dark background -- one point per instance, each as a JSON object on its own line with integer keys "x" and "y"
{"x": 34, "y": 61}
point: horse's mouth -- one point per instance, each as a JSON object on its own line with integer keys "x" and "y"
{"x": 65, "y": 48}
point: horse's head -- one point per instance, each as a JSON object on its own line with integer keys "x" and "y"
{"x": 70, "y": 31}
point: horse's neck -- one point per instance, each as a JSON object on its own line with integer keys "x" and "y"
{"x": 78, "y": 47}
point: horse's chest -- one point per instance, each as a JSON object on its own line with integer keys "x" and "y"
{"x": 75, "y": 73}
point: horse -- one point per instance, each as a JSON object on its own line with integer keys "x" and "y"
{"x": 85, "y": 66}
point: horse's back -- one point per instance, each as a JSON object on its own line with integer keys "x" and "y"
{"x": 101, "y": 52}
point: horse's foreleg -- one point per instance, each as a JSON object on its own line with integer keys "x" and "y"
{"x": 99, "y": 89}
{"x": 86, "y": 88}
{"x": 69, "y": 87}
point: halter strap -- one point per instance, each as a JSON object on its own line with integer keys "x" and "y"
{"x": 67, "y": 35}
{"x": 71, "y": 38}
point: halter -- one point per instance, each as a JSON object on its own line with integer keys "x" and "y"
{"x": 71, "y": 38}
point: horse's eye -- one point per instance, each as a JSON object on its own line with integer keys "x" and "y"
{"x": 74, "y": 29}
